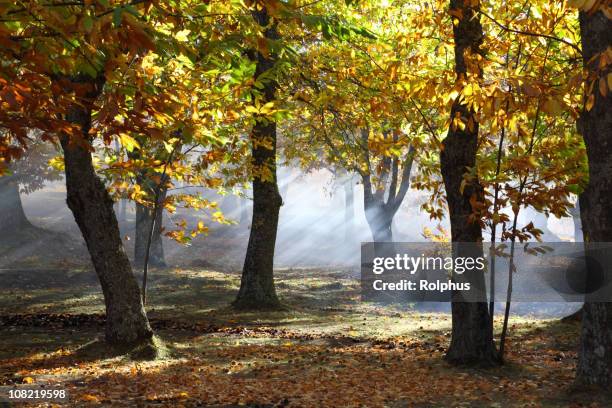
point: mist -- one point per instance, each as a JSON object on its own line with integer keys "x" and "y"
{"x": 314, "y": 227}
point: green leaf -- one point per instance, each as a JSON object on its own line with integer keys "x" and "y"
{"x": 130, "y": 9}
{"x": 89, "y": 70}
{"x": 88, "y": 23}
{"x": 117, "y": 16}
{"x": 574, "y": 188}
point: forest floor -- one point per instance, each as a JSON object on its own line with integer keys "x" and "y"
{"x": 328, "y": 349}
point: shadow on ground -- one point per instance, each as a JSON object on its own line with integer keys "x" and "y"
{"x": 327, "y": 349}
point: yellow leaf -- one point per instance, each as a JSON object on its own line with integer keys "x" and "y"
{"x": 468, "y": 90}
{"x": 28, "y": 380}
{"x": 182, "y": 35}
{"x": 610, "y": 81}
{"x": 267, "y": 108}
{"x": 451, "y": 96}
{"x": 128, "y": 142}
{"x": 161, "y": 118}
{"x": 57, "y": 163}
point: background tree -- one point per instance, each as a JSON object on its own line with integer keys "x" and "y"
{"x": 28, "y": 174}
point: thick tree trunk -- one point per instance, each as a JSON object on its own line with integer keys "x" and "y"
{"x": 472, "y": 336}
{"x": 595, "y": 125}
{"x": 92, "y": 207}
{"x": 257, "y": 289}
{"x": 13, "y": 217}
{"x": 379, "y": 221}
{"x": 144, "y": 218}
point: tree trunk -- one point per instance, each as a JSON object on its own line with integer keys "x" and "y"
{"x": 257, "y": 289}
{"x": 13, "y": 217}
{"x": 379, "y": 213}
{"x": 379, "y": 221}
{"x": 595, "y": 125}
{"x": 349, "y": 210}
{"x": 144, "y": 217}
{"x": 92, "y": 207}
{"x": 122, "y": 210}
{"x": 575, "y": 212}
{"x": 472, "y": 335}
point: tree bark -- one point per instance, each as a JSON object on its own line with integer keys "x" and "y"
{"x": 595, "y": 125}
{"x": 92, "y": 207}
{"x": 472, "y": 335}
{"x": 144, "y": 218}
{"x": 13, "y": 217}
{"x": 257, "y": 289}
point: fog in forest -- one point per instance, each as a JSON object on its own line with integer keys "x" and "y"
{"x": 319, "y": 228}
{"x": 315, "y": 221}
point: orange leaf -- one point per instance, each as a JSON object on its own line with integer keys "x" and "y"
{"x": 590, "y": 102}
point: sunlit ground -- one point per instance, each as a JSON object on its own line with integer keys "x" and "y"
{"x": 327, "y": 349}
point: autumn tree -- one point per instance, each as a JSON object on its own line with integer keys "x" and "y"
{"x": 472, "y": 336}
{"x": 257, "y": 289}
{"x": 358, "y": 112}
{"x": 80, "y": 59}
{"x": 385, "y": 176}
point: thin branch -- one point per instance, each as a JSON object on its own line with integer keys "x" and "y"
{"x": 528, "y": 33}
{"x": 152, "y": 226}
